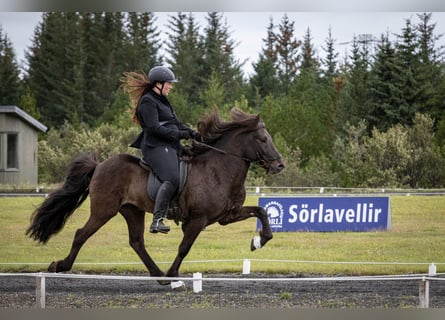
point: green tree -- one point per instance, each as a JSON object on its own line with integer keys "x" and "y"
{"x": 432, "y": 96}
{"x": 104, "y": 45}
{"x": 28, "y": 103}
{"x": 219, "y": 57}
{"x": 407, "y": 86}
{"x": 309, "y": 61}
{"x": 287, "y": 50}
{"x": 264, "y": 80}
{"x": 355, "y": 97}
{"x": 51, "y": 68}
{"x": 214, "y": 92}
{"x": 10, "y": 84}
{"x": 310, "y": 110}
{"x": 349, "y": 154}
{"x": 77, "y": 60}
{"x": 402, "y": 156}
{"x": 185, "y": 48}
{"x": 330, "y": 62}
{"x": 383, "y": 76}
{"x": 331, "y": 79}
{"x": 425, "y": 168}
{"x": 141, "y": 42}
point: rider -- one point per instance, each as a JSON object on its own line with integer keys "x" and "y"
{"x": 159, "y": 140}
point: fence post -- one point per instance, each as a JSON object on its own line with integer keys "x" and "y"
{"x": 246, "y": 266}
{"x": 40, "y": 291}
{"x": 197, "y": 282}
{"x": 424, "y": 293}
{"x": 432, "y": 270}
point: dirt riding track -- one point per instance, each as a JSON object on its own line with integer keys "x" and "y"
{"x": 20, "y": 292}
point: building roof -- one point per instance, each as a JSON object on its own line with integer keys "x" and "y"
{"x": 24, "y": 116}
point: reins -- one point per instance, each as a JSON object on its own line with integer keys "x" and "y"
{"x": 222, "y": 151}
{"x": 259, "y": 161}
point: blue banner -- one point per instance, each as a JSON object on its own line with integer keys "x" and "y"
{"x": 327, "y": 213}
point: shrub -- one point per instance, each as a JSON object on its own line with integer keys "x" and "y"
{"x": 61, "y": 146}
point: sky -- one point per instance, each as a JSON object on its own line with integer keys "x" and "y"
{"x": 249, "y": 28}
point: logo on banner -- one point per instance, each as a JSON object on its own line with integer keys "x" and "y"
{"x": 275, "y": 213}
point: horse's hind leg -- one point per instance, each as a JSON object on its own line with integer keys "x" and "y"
{"x": 250, "y": 212}
{"x": 135, "y": 221}
{"x": 94, "y": 223}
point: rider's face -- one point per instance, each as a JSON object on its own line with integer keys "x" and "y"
{"x": 164, "y": 90}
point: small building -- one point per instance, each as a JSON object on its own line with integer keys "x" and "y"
{"x": 18, "y": 147}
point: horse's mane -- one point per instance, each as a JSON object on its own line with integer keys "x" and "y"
{"x": 212, "y": 127}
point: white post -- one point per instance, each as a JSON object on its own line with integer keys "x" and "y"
{"x": 432, "y": 270}
{"x": 424, "y": 293}
{"x": 40, "y": 291}
{"x": 257, "y": 190}
{"x": 197, "y": 282}
{"x": 246, "y": 266}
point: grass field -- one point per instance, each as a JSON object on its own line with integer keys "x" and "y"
{"x": 417, "y": 236}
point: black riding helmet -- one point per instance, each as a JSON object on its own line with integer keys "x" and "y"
{"x": 161, "y": 74}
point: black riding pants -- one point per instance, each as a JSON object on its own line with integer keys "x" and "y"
{"x": 164, "y": 162}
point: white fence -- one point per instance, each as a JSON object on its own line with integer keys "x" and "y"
{"x": 197, "y": 279}
{"x": 264, "y": 190}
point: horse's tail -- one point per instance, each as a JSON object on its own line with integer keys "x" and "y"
{"x": 50, "y": 217}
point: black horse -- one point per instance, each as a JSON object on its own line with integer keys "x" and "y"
{"x": 214, "y": 190}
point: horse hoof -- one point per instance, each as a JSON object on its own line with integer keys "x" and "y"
{"x": 52, "y": 267}
{"x": 178, "y": 286}
{"x": 164, "y": 282}
{"x": 255, "y": 243}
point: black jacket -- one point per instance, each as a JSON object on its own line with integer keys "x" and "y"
{"x": 160, "y": 126}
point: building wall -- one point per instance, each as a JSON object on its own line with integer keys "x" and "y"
{"x": 27, "y": 151}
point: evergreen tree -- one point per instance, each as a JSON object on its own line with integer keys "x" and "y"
{"x": 428, "y": 51}
{"x": 219, "y": 58}
{"x": 332, "y": 80}
{"x": 309, "y": 61}
{"x": 51, "y": 68}
{"x": 330, "y": 63}
{"x": 382, "y": 113}
{"x": 264, "y": 81}
{"x": 432, "y": 97}
{"x": 104, "y": 63}
{"x": 407, "y": 70}
{"x": 214, "y": 92}
{"x": 287, "y": 46}
{"x": 28, "y": 103}
{"x": 186, "y": 54}
{"x": 10, "y": 84}
{"x": 355, "y": 97}
{"x": 77, "y": 59}
{"x": 142, "y": 42}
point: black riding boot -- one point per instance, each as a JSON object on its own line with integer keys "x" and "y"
{"x": 165, "y": 193}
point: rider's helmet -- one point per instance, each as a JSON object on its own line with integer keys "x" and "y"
{"x": 161, "y": 74}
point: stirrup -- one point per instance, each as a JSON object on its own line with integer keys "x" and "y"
{"x": 159, "y": 226}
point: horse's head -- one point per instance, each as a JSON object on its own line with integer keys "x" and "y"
{"x": 260, "y": 149}
{"x": 249, "y": 139}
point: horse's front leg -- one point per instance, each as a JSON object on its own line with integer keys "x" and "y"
{"x": 249, "y": 212}
{"x": 191, "y": 231}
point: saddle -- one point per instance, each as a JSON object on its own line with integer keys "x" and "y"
{"x": 153, "y": 185}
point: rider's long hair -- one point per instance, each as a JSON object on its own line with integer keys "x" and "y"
{"x": 135, "y": 84}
